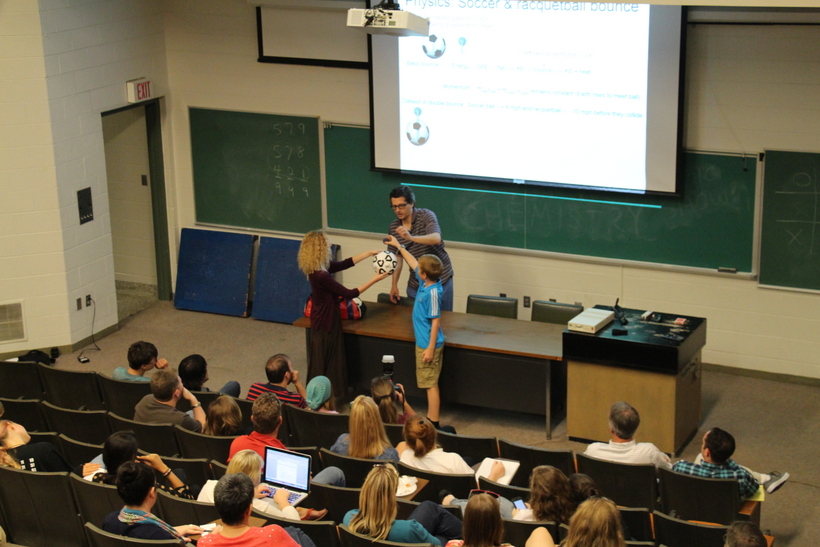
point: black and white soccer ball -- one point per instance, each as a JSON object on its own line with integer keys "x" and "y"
{"x": 434, "y": 46}
{"x": 384, "y": 262}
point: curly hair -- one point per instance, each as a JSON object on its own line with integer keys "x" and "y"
{"x": 314, "y": 252}
{"x": 551, "y": 498}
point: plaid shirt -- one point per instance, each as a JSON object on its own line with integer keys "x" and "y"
{"x": 729, "y": 470}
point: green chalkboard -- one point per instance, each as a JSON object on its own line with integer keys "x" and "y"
{"x": 790, "y": 226}
{"x": 256, "y": 170}
{"x": 711, "y": 227}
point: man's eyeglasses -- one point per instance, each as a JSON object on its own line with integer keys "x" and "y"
{"x": 399, "y": 206}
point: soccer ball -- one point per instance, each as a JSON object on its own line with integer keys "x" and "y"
{"x": 384, "y": 262}
{"x": 417, "y": 132}
{"x": 434, "y": 47}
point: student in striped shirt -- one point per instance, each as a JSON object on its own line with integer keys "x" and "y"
{"x": 280, "y": 372}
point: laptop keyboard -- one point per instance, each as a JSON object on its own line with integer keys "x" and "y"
{"x": 293, "y": 497}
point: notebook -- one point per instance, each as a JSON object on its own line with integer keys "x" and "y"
{"x": 288, "y": 470}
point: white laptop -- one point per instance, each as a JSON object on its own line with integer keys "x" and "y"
{"x": 288, "y": 470}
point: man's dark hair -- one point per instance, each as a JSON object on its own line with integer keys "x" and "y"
{"x": 743, "y": 533}
{"x": 193, "y": 370}
{"x": 119, "y": 448}
{"x": 277, "y": 367}
{"x": 721, "y": 445}
{"x": 134, "y": 482}
{"x": 163, "y": 384}
{"x": 266, "y": 412}
{"x": 233, "y": 494}
{"x": 141, "y": 353}
{"x": 624, "y": 420}
{"x": 403, "y": 192}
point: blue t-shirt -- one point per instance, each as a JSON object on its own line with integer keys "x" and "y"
{"x": 426, "y": 308}
{"x": 120, "y": 373}
{"x": 402, "y": 531}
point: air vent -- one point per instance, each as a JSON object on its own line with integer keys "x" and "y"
{"x": 12, "y": 326}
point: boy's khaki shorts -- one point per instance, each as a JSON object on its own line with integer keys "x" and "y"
{"x": 427, "y": 373}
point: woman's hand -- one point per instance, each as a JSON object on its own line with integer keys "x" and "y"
{"x": 497, "y": 471}
{"x": 153, "y": 461}
{"x": 263, "y": 491}
{"x": 281, "y": 498}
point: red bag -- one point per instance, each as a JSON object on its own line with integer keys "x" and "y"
{"x": 349, "y": 308}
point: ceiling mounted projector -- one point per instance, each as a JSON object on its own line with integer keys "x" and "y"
{"x": 394, "y": 22}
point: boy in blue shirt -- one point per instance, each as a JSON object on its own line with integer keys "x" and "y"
{"x": 427, "y": 325}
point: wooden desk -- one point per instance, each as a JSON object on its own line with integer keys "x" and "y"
{"x": 660, "y": 377}
{"x": 490, "y": 362}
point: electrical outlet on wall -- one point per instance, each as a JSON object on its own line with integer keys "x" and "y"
{"x": 526, "y": 301}
{"x": 87, "y": 300}
{"x": 79, "y": 304}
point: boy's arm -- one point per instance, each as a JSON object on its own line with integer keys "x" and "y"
{"x": 411, "y": 260}
{"x": 427, "y": 356}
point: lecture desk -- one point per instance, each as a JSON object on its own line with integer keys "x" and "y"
{"x": 489, "y": 362}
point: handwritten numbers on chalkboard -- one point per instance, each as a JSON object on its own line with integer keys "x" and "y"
{"x": 289, "y": 129}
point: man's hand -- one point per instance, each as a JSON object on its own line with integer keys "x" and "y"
{"x": 294, "y": 377}
{"x": 162, "y": 363}
{"x": 427, "y": 356}
{"x": 404, "y": 233}
{"x": 394, "y": 294}
{"x": 189, "y": 530}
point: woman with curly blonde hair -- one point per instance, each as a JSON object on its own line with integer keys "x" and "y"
{"x": 327, "y": 352}
{"x": 367, "y": 437}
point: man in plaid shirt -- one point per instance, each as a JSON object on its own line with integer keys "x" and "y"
{"x": 716, "y": 450}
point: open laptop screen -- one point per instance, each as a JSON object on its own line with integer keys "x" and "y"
{"x": 287, "y": 469}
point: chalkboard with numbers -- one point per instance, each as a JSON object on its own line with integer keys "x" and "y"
{"x": 790, "y": 226}
{"x": 257, "y": 171}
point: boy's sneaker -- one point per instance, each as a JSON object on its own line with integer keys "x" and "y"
{"x": 775, "y": 481}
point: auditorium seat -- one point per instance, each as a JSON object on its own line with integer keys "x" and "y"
{"x": 516, "y": 532}
{"x": 309, "y": 428}
{"x": 496, "y": 306}
{"x": 199, "y": 445}
{"x": 673, "y": 532}
{"x": 97, "y": 537}
{"x": 352, "y": 539}
{"x": 153, "y": 438}
{"x": 88, "y": 426}
{"x": 77, "y": 452}
{"x": 530, "y": 457}
{"x": 699, "y": 498}
{"x": 121, "y": 396}
{"x": 20, "y": 380}
{"x": 26, "y": 412}
{"x": 472, "y": 449}
{"x": 336, "y": 499}
{"x": 458, "y": 485}
{"x": 71, "y": 389}
{"x": 547, "y": 311}
{"x": 322, "y": 532}
{"x": 94, "y": 500}
{"x": 630, "y": 485}
{"x": 355, "y": 469}
{"x": 509, "y": 492}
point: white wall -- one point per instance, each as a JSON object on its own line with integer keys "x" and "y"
{"x": 32, "y": 269}
{"x": 750, "y": 88}
{"x": 67, "y": 62}
{"x": 132, "y": 228}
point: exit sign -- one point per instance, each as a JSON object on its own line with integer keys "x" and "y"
{"x": 139, "y": 90}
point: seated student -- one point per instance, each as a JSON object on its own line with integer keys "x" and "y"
{"x": 419, "y": 450}
{"x": 21, "y": 453}
{"x": 389, "y": 397}
{"x": 483, "y": 526}
{"x": 249, "y": 463}
{"x": 596, "y": 523}
{"x": 376, "y": 515}
{"x": 280, "y": 372}
{"x": 743, "y": 533}
{"x": 194, "y": 373}
{"x": 224, "y": 417}
{"x": 160, "y": 407}
{"x": 550, "y": 498}
{"x": 142, "y": 357}
{"x": 320, "y": 395}
{"x": 716, "y": 451}
{"x": 622, "y": 448}
{"x": 367, "y": 437}
{"x": 266, "y": 417}
{"x": 136, "y": 486}
{"x": 234, "y": 497}
{"x": 121, "y": 447}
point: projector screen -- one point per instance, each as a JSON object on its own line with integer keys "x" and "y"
{"x": 540, "y": 92}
